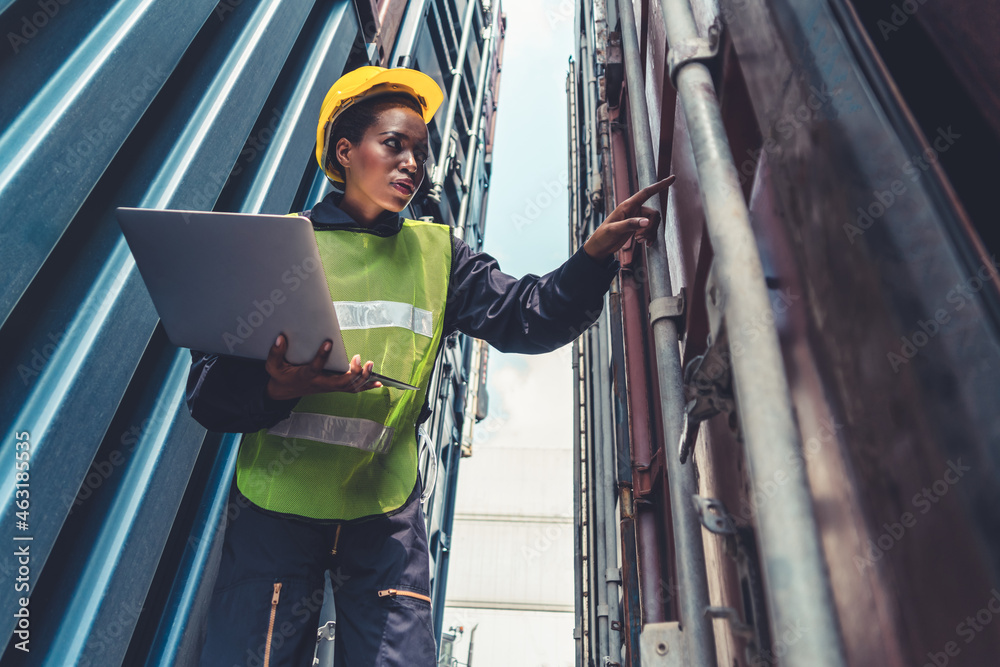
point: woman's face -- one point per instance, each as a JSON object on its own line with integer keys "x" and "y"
{"x": 387, "y": 167}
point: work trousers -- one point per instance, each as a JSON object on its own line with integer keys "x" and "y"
{"x": 265, "y": 607}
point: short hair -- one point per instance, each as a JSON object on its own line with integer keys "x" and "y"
{"x": 358, "y": 117}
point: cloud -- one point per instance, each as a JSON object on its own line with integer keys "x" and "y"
{"x": 531, "y": 402}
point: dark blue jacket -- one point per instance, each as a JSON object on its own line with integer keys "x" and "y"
{"x": 531, "y": 316}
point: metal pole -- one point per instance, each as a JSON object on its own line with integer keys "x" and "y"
{"x": 472, "y": 635}
{"x": 603, "y": 487}
{"x": 609, "y": 488}
{"x": 596, "y": 487}
{"x": 456, "y": 85}
{"x": 589, "y": 103}
{"x": 647, "y": 527}
{"x": 577, "y": 512}
{"x": 690, "y": 565}
{"x": 795, "y": 570}
{"x": 472, "y": 148}
{"x": 577, "y": 462}
{"x": 439, "y": 587}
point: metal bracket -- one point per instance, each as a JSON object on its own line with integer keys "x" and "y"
{"x": 662, "y": 645}
{"x": 327, "y": 631}
{"x": 648, "y": 476}
{"x": 698, "y": 49}
{"x": 602, "y": 610}
{"x": 666, "y": 307}
{"x": 613, "y": 574}
{"x": 714, "y": 516}
{"x": 708, "y": 391}
{"x": 740, "y": 545}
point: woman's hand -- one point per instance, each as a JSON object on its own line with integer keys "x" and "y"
{"x": 630, "y": 217}
{"x": 291, "y": 381}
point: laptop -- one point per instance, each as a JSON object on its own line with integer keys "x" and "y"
{"x": 229, "y": 283}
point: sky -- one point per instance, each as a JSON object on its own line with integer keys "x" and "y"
{"x": 527, "y": 231}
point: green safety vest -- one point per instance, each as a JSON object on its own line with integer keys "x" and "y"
{"x": 343, "y": 456}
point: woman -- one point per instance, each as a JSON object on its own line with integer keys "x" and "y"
{"x": 326, "y": 476}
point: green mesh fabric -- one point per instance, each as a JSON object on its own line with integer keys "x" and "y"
{"x": 324, "y": 481}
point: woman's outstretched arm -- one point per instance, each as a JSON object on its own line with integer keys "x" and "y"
{"x": 536, "y": 314}
{"x": 530, "y": 315}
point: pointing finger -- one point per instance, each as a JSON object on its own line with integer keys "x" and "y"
{"x": 642, "y": 195}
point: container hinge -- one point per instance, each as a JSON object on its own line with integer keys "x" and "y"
{"x": 699, "y": 49}
{"x": 708, "y": 391}
{"x": 713, "y": 515}
{"x": 602, "y": 610}
{"x": 613, "y": 574}
{"x": 740, "y": 545}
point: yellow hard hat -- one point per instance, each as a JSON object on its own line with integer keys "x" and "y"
{"x": 371, "y": 81}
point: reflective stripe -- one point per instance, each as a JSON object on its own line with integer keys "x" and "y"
{"x": 358, "y": 433}
{"x": 375, "y": 314}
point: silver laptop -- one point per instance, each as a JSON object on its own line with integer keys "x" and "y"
{"x": 229, "y": 283}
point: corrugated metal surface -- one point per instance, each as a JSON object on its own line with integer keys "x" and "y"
{"x": 192, "y": 105}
